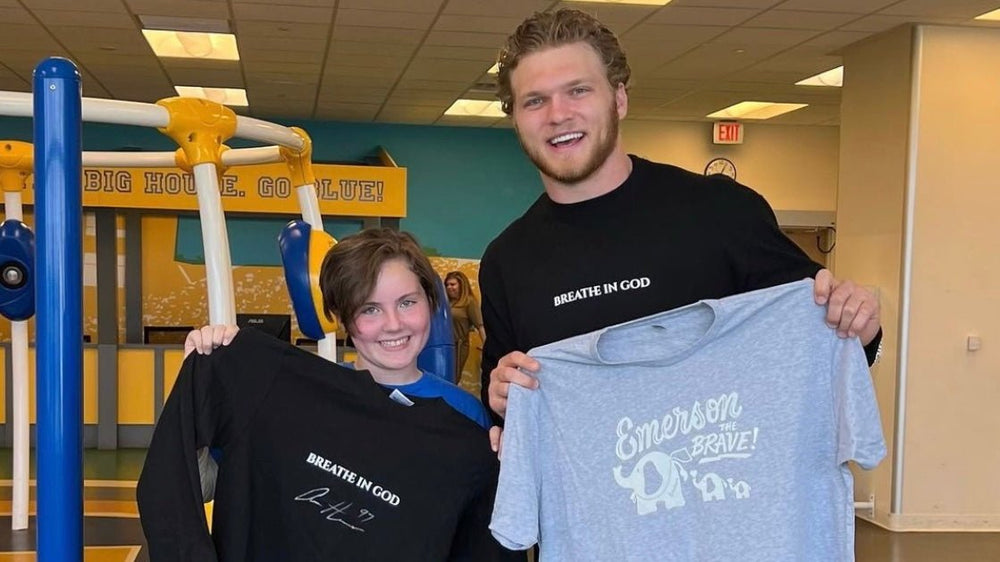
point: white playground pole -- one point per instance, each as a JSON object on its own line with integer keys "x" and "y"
{"x": 326, "y": 347}
{"x": 233, "y": 157}
{"x": 19, "y": 367}
{"x": 218, "y": 263}
{"x": 96, "y": 110}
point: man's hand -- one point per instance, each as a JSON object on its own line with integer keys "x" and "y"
{"x": 496, "y": 439}
{"x": 510, "y": 369}
{"x": 851, "y": 309}
{"x": 208, "y": 338}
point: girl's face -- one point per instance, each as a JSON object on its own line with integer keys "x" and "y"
{"x": 393, "y": 325}
{"x": 453, "y": 288}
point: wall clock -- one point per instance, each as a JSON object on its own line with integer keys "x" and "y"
{"x": 722, "y": 166}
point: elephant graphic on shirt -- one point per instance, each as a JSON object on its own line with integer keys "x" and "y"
{"x": 669, "y": 492}
{"x": 740, "y": 488}
{"x": 711, "y": 486}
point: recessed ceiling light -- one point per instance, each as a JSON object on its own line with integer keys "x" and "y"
{"x": 832, "y": 78}
{"x": 755, "y": 110}
{"x": 475, "y": 108}
{"x": 192, "y": 45}
{"x": 236, "y": 97}
{"x": 990, "y": 16}
{"x": 639, "y": 2}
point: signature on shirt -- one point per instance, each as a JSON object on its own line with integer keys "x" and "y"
{"x": 339, "y": 512}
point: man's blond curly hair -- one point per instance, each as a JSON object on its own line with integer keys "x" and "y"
{"x": 544, "y": 30}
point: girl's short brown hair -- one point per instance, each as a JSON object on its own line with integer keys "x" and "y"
{"x": 351, "y": 268}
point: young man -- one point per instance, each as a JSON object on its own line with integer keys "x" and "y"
{"x": 616, "y": 237}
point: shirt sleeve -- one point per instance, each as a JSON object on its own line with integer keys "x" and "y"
{"x": 473, "y": 541}
{"x": 763, "y": 255}
{"x": 515, "y": 520}
{"x": 496, "y": 320}
{"x": 206, "y": 408}
{"x": 859, "y": 426}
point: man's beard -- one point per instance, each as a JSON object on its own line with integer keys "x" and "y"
{"x": 600, "y": 154}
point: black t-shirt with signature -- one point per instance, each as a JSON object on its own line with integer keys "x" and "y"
{"x": 319, "y": 463}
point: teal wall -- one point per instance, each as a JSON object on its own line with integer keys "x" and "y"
{"x": 464, "y": 184}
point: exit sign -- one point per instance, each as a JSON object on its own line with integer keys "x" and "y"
{"x": 727, "y": 132}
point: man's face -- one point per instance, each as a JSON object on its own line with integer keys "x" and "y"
{"x": 565, "y": 112}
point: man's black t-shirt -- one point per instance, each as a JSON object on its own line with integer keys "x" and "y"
{"x": 663, "y": 239}
{"x": 320, "y": 464}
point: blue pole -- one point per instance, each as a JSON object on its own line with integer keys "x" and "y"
{"x": 59, "y": 289}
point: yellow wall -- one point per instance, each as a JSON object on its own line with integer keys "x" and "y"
{"x": 951, "y": 458}
{"x": 135, "y": 386}
{"x": 89, "y": 280}
{"x": 175, "y": 293}
{"x": 793, "y": 167}
{"x": 870, "y": 205}
{"x": 89, "y": 385}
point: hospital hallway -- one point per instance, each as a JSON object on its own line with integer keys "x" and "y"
{"x": 112, "y": 532}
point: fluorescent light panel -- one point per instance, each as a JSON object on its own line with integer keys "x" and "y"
{"x": 634, "y": 2}
{"x": 192, "y": 45}
{"x": 990, "y": 16}
{"x": 755, "y": 110}
{"x": 832, "y": 78}
{"x": 475, "y": 108}
{"x": 236, "y": 97}
{"x": 494, "y": 70}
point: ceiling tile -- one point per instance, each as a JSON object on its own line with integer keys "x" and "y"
{"x": 846, "y": 6}
{"x": 618, "y": 17}
{"x": 457, "y": 121}
{"x": 835, "y": 40}
{"x": 377, "y": 34}
{"x": 77, "y": 5}
{"x": 744, "y": 36}
{"x": 375, "y": 18}
{"x": 297, "y": 44}
{"x": 420, "y": 6}
{"x": 702, "y": 16}
{"x": 412, "y": 96}
{"x": 347, "y": 111}
{"x": 465, "y": 39}
{"x": 952, "y": 9}
{"x": 267, "y": 12}
{"x": 654, "y": 33}
{"x": 760, "y": 4}
{"x": 276, "y": 55}
{"x": 341, "y": 49}
{"x": 410, "y": 115}
{"x": 875, "y": 24}
{"x": 509, "y": 8}
{"x": 484, "y": 54}
{"x": 797, "y": 19}
{"x": 282, "y": 30}
{"x": 180, "y": 8}
{"x": 477, "y": 24}
{"x": 206, "y": 78}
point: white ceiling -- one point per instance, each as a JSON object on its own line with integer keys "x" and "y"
{"x": 406, "y": 61}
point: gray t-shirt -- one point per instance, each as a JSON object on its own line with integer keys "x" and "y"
{"x": 719, "y": 431}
